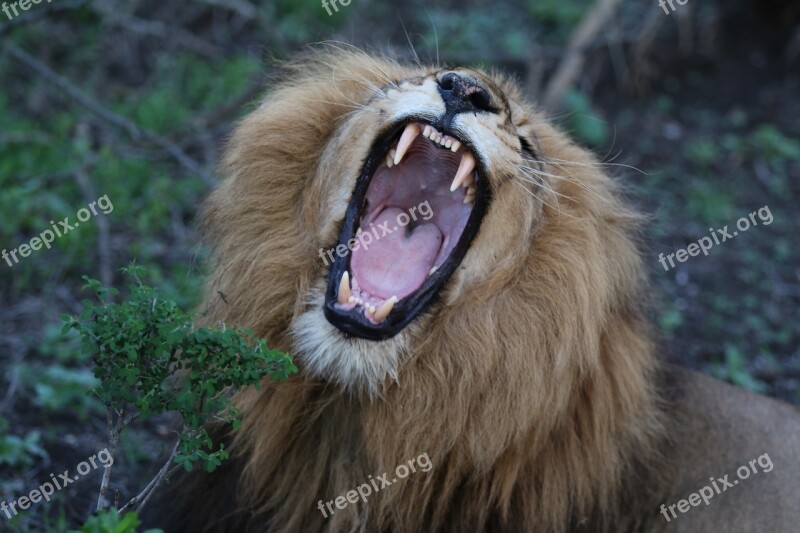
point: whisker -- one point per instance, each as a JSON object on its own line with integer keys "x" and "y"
{"x": 333, "y": 44}
{"x": 411, "y": 45}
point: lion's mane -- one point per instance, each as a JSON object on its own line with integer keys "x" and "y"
{"x": 529, "y": 386}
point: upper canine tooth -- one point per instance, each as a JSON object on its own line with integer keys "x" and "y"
{"x": 465, "y": 168}
{"x": 411, "y": 132}
{"x": 383, "y": 311}
{"x": 344, "y": 288}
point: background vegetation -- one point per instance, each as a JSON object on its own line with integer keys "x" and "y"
{"x": 697, "y": 111}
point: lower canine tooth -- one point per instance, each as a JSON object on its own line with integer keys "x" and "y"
{"x": 383, "y": 311}
{"x": 390, "y": 158}
{"x": 344, "y": 289}
{"x": 465, "y": 168}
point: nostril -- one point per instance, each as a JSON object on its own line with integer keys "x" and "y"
{"x": 463, "y": 92}
{"x": 447, "y": 81}
{"x": 481, "y": 100}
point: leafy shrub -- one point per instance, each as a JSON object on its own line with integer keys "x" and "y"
{"x": 150, "y": 358}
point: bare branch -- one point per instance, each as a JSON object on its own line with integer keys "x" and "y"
{"x": 133, "y": 130}
{"x": 167, "y": 468}
{"x": 571, "y": 64}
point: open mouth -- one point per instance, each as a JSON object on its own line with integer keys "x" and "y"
{"x": 414, "y": 212}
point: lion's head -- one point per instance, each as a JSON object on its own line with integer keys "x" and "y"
{"x": 490, "y": 319}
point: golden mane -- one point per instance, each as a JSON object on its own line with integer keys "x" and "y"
{"x": 529, "y": 383}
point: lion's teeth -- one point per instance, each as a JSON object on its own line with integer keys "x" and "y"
{"x": 456, "y": 146}
{"x": 469, "y": 182}
{"x": 432, "y": 271}
{"x": 465, "y": 168}
{"x": 358, "y": 232}
{"x": 383, "y": 311}
{"x": 411, "y": 132}
{"x": 427, "y": 131}
{"x": 344, "y": 289}
{"x": 470, "y": 196}
{"x": 390, "y": 158}
{"x": 448, "y": 143}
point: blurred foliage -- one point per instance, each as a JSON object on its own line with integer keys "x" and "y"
{"x": 17, "y": 452}
{"x": 582, "y": 121}
{"x": 558, "y": 16}
{"x": 734, "y": 369}
{"x": 110, "y": 521}
{"x": 63, "y": 390}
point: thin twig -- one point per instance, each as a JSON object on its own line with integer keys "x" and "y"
{"x": 125, "y": 21}
{"x": 144, "y": 496}
{"x": 136, "y": 132}
{"x": 572, "y": 64}
{"x": 114, "y": 430}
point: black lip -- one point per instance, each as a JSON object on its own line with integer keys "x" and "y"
{"x": 353, "y": 322}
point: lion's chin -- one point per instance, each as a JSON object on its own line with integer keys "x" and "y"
{"x": 359, "y": 366}
{"x": 415, "y": 210}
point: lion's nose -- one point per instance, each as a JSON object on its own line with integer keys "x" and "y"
{"x": 461, "y": 93}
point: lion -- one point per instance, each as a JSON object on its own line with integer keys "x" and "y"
{"x": 456, "y": 280}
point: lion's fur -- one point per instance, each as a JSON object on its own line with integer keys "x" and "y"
{"x": 531, "y": 384}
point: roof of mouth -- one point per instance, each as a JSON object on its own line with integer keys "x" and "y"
{"x": 416, "y": 208}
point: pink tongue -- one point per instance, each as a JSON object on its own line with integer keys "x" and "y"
{"x": 395, "y": 264}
